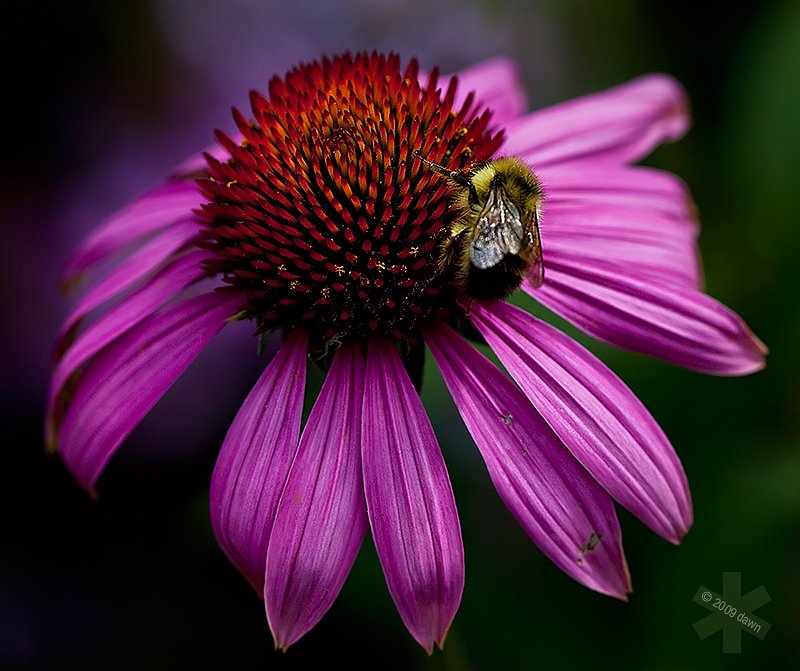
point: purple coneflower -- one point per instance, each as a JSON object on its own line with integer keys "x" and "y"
{"x": 327, "y": 219}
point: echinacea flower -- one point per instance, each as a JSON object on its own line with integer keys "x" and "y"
{"x": 325, "y": 219}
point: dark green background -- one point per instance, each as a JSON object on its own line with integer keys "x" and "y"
{"x": 135, "y": 580}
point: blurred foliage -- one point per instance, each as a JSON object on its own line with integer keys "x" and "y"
{"x": 136, "y": 580}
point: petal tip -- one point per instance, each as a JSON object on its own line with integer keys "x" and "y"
{"x": 676, "y": 102}
{"x": 620, "y": 590}
{"x": 760, "y": 345}
{"x": 618, "y": 584}
{"x": 677, "y": 538}
{"x": 434, "y": 637}
{"x": 678, "y": 531}
{"x": 753, "y": 352}
{"x": 625, "y": 596}
{"x": 283, "y": 641}
{"x": 440, "y": 641}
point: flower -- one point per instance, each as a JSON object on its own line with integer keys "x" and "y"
{"x": 327, "y": 218}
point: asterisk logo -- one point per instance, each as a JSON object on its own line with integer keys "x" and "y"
{"x": 732, "y": 612}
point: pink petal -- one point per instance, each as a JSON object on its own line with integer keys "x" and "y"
{"x": 628, "y": 240}
{"x": 412, "y": 511}
{"x": 164, "y": 205}
{"x": 321, "y": 518}
{"x": 598, "y": 418}
{"x": 255, "y": 458}
{"x": 620, "y": 125}
{"x": 140, "y": 264}
{"x": 496, "y": 85}
{"x": 560, "y": 506}
{"x": 122, "y": 317}
{"x": 121, "y": 384}
{"x": 589, "y": 184}
{"x": 670, "y": 321}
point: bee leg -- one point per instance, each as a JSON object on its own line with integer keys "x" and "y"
{"x": 454, "y": 256}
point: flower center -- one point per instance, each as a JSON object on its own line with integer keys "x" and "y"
{"x": 325, "y": 217}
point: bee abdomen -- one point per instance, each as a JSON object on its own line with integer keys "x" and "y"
{"x": 499, "y": 281}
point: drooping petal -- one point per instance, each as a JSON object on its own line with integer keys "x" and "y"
{"x": 628, "y": 240}
{"x": 670, "y": 321}
{"x": 412, "y": 511}
{"x": 164, "y": 205}
{"x": 132, "y": 270}
{"x": 558, "y": 504}
{"x": 121, "y": 384}
{"x": 124, "y": 316}
{"x": 496, "y": 85}
{"x": 598, "y": 418}
{"x": 620, "y": 125}
{"x": 255, "y": 458}
{"x": 321, "y": 517}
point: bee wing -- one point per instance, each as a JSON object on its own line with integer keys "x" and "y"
{"x": 536, "y": 270}
{"x": 498, "y": 232}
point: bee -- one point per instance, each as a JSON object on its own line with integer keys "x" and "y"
{"x": 494, "y": 240}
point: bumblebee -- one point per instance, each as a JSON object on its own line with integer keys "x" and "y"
{"x": 494, "y": 239}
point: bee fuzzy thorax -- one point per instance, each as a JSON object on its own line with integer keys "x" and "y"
{"x": 495, "y": 238}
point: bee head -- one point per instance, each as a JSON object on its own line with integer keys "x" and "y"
{"x": 518, "y": 183}
{"x": 482, "y": 179}
{"x": 462, "y": 180}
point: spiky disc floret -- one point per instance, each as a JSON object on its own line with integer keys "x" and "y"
{"x": 324, "y": 217}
